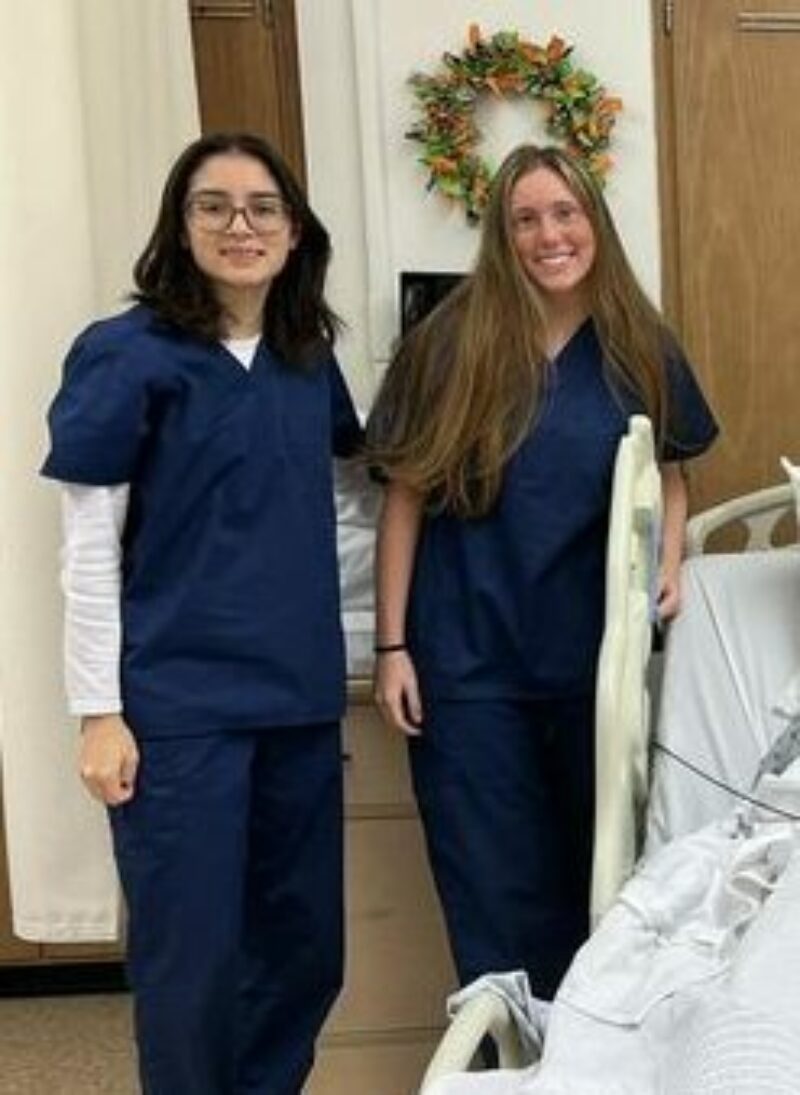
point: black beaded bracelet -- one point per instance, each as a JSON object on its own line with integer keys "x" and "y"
{"x": 388, "y": 648}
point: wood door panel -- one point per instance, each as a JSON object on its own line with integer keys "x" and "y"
{"x": 82, "y": 952}
{"x": 245, "y": 54}
{"x": 737, "y": 221}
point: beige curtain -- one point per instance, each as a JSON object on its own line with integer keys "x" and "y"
{"x": 96, "y": 98}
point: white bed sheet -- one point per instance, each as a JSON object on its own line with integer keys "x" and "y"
{"x": 728, "y": 657}
{"x": 680, "y": 990}
{"x": 357, "y": 504}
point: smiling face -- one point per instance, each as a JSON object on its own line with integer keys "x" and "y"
{"x": 552, "y": 236}
{"x": 243, "y": 258}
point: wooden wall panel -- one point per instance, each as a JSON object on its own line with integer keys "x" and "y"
{"x": 248, "y": 72}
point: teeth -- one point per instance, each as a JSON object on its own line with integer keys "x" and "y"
{"x": 554, "y": 260}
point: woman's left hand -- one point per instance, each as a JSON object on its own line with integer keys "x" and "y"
{"x": 669, "y": 593}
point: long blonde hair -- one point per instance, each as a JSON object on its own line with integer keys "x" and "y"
{"x": 462, "y": 390}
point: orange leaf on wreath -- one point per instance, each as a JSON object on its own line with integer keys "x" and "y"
{"x": 556, "y": 48}
{"x": 480, "y": 189}
{"x": 610, "y": 105}
{"x": 442, "y": 165}
{"x": 509, "y": 81}
{"x": 474, "y": 35}
{"x": 535, "y": 54}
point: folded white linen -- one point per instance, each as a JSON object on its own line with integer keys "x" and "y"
{"x": 529, "y": 1013}
{"x": 678, "y": 920}
{"x": 691, "y": 933}
{"x": 744, "y": 1037}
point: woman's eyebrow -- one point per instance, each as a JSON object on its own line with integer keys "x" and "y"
{"x": 215, "y": 192}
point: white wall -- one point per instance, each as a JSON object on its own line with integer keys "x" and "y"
{"x": 356, "y": 57}
{"x": 333, "y": 155}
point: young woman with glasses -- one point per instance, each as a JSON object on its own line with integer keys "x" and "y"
{"x": 193, "y": 435}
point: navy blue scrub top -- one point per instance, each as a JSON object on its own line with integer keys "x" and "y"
{"x": 230, "y": 595}
{"x": 511, "y": 605}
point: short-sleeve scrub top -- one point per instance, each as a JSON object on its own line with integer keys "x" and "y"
{"x": 511, "y": 605}
{"x": 230, "y": 597}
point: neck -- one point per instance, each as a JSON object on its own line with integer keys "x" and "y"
{"x": 243, "y": 313}
{"x": 562, "y": 321}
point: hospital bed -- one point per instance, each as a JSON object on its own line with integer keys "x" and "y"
{"x": 714, "y": 726}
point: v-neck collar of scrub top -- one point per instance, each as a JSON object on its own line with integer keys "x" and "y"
{"x": 566, "y": 347}
{"x": 229, "y": 361}
{"x": 243, "y": 350}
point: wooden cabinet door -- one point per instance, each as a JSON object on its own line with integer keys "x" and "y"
{"x": 729, "y": 83}
{"x": 247, "y": 71}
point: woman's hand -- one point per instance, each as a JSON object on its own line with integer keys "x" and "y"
{"x": 397, "y": 692}
{"x": 669, "y": 593}
{"x": 676, "y": 504}
{"x": 109, "y": 759}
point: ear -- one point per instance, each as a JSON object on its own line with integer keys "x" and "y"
{"x": 294, "y": 236}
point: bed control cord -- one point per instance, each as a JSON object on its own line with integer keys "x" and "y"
{"x": 725, "y": 786}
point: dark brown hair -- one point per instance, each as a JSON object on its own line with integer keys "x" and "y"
{"x": 298, "y": 324}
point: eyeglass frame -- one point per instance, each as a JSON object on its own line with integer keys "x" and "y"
{"x": 282, "y": 210}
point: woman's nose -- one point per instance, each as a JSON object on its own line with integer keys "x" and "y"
{"x": 548, "y": 228}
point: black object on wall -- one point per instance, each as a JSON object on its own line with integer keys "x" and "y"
{"x": 420, "y": 292}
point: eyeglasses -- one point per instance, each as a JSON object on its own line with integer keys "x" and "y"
{"x": 217, "y": 213}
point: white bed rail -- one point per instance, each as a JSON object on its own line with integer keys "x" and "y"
{"x": 485, "y": 1015}
{"x": 759, "y": 512}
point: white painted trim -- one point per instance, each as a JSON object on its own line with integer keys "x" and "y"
{"x": 382, "y": 309}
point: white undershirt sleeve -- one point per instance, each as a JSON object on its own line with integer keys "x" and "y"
{"x": 91, "y": 579}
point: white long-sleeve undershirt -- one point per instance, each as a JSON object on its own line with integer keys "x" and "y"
{"x": 91, "y": 554}
{"x": 93, "y": 519}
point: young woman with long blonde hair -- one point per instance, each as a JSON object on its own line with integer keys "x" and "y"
{"x": 497, "y": 426}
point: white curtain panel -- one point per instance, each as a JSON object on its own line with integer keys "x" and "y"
{"x": 96, "y": 98}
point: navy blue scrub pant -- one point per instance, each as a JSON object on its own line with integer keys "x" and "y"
{"x": 230, "y": 857}
{"x": 506, "y": 795}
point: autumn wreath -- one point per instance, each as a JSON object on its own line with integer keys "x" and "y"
{"x": 579, "y": 113}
